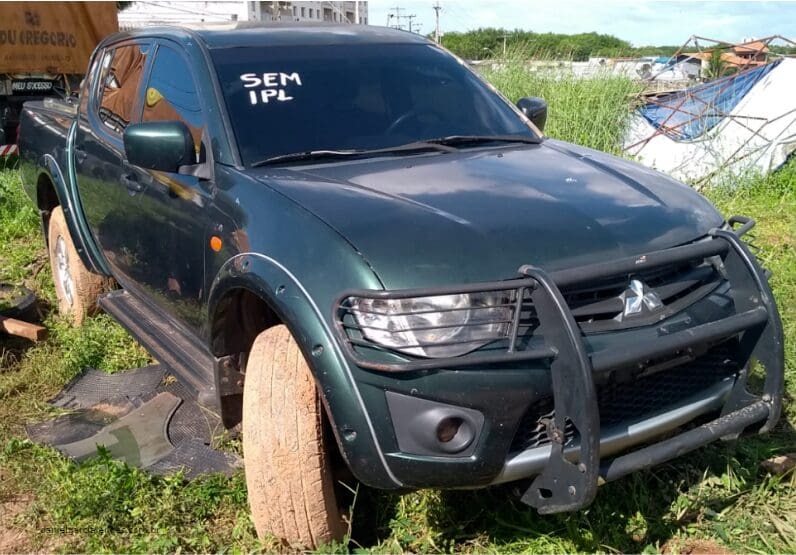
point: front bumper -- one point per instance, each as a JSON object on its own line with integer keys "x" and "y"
{"x": 568, "y": 473}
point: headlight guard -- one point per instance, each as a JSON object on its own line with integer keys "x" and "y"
{"x": 436, "y": 326}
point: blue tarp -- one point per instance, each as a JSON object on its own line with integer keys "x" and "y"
{"x": 687, "y": 114}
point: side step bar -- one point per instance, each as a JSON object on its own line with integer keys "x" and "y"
{"x": 189, "y": 361}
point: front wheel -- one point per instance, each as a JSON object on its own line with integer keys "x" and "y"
{"x": 76, "y": 287}
{"x": 286, "y": 453}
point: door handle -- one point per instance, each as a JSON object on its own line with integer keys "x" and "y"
{"x": 130, "y": 181}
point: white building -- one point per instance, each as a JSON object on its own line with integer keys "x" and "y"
{"x": 167, "y": 12}
{"x": 331, "y": 12}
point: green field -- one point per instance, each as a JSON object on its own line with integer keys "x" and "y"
{"x": 718, "y": 497}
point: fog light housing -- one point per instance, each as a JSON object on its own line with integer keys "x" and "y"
{"x": 425, "y": 427}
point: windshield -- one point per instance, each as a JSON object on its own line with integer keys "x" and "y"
{"x": 286, "y": 100}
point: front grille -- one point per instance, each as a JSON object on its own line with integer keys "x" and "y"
{"x": 633, "y": 400}
{"x": 600, "y": 306}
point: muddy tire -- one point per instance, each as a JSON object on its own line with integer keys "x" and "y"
{"x": 76, "y": 287}
{"x": 286, "y": 454}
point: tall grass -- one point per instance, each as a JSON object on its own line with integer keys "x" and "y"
{"x": 592, "y": 111}
{"x": 18, "y": 217}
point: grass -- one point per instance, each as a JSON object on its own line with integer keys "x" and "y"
{"x": 591, "y": 112}
{"x": 719, "y": 494}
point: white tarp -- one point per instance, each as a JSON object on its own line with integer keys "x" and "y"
{"x": 757, "y": 136}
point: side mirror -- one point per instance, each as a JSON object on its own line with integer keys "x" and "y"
{"x": 535, "y": 109}
{"x": 159, "y": 145}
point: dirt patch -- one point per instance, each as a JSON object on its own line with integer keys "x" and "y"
{"x": 12, "y": 539}
{"x": 694, "y": 547}
{"x": 111, "y": 409}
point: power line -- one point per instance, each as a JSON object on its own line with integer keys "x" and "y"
{"x": 460, "y": 18}
{"x": 397, "y": 15}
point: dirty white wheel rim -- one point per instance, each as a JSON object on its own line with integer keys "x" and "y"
{"x": 64, "y": 275}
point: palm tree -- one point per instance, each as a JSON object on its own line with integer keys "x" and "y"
{"x": 717, "y": 67}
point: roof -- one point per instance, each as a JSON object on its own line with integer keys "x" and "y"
{"x": 753, "y": 47}
{"x": 729, "y": 58}
{"x": 300, "y": 34}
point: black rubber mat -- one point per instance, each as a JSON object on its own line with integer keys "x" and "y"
{"x": 92, "y": 387}
{"x": 138, "y": 438}
{"x": 143, "y": 416}
{"x": 80, "y": 424}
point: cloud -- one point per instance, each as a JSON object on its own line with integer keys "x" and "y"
{"x": 641, "y": 23}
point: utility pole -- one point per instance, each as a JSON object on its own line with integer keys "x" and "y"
{"x": 397, "y": 16}
{"x": 437, "y": 8}
{"x": 504, "y": 46}
{"x": 410, "y": 18}
{"x": 356, "y": 12}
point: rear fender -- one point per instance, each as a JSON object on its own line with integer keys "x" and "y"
{"x": 66, "y": 191}
{"x": 49, "y": 168}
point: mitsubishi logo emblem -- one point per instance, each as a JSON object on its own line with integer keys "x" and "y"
{"x": 638, "y": 296}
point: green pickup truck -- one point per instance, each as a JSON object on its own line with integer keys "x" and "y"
{"x": 344, "y": 238}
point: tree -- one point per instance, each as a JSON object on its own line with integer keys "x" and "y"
{"x": 488, "y": 43}
{"x": 717, "y": 67}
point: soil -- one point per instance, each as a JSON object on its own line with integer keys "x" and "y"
{"x": 694, "y": 547}
{"x": 12, "y": 539}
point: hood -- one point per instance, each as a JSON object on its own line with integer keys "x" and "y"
{"x": 480, "y": 214}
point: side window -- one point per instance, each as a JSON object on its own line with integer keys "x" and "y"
{"x": 120, "y": 79}
{"x": 171, "y": 94}
{"x": 85, "y": 85}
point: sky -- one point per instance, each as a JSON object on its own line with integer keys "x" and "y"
{"x": 640, "y": 22}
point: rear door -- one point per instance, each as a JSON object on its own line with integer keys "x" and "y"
{"x": 107, "y": 185}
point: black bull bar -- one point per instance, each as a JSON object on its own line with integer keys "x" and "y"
{"x": 566, "y": 484}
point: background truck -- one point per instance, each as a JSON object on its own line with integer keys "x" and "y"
{"x": 44, "y": 50}
{"x": 344, "y": 239}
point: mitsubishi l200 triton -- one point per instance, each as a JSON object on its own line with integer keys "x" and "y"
{"x": 347, "y": 240}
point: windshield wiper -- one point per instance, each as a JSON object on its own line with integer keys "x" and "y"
{"x": 444, "y": 144}
{"x": 452, "y": 140}
{"x": 322, "y": 154}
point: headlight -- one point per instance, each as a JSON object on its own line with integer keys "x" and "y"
{"x": 437, "y": 327}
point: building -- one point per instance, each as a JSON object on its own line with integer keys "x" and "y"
{"x": 330, "y": 12}
{"x": 198, "y": 14}
{"x": 741, "y": 56}
{"x": 752, "y": 51}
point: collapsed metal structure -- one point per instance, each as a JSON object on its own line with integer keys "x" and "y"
{"x": 690, "y": 115}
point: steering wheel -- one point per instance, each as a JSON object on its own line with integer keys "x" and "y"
{"x": 410, "y": 115}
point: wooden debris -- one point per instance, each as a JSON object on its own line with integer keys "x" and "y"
{"x": 19, "y": 328}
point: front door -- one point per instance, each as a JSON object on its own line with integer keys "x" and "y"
{"x": 174, "y": 208}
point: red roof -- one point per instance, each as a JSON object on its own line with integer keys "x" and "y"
{"x": 750, "y": 48}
